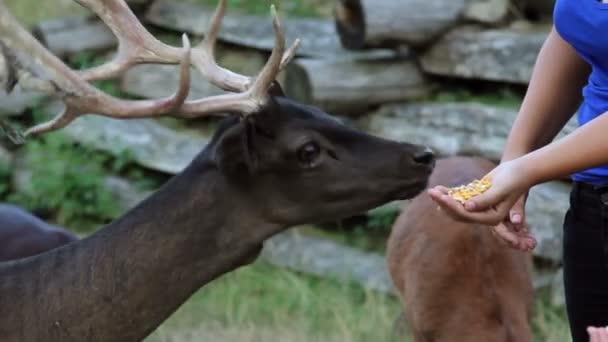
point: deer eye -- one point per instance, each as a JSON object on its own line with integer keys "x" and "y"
{"x": 309, "y": 153}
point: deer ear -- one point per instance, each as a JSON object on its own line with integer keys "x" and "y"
{"x": 235, "y": 153}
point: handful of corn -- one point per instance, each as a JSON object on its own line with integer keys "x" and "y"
{"x": 465, "y": 192}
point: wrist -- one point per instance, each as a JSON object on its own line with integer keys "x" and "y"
{"x": 513, "y": 152}
{"x": 526, "y": 174}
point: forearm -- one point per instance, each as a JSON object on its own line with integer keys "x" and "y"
{"x": 553, "y": 95}
{"x": 585, "y": 148}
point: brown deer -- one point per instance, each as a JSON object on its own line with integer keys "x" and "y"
{"x": 271, "y": 165}
{"x": 23, "y": 234}
{"x": 456, "y": 281}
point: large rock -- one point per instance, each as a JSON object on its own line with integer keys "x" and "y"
{"x": 151, "y": 144}
{"x": 18, "y": 101}
{"x": 505, "y": 55}
{"x": 487, "y": 11}
{"x": 319, "y": 37}
{"x": 475, "y": 129}
{"x": 536, "y": 9}
{"x": 354, "y": 87}
{"x": 324, "y": 258}
{"x": 448, "y": 128}
{"x": 68, "y": 36}
{"x": 547, "y": 204}
{"x": 155, "y": 80}
{"x": 373, "y": 23}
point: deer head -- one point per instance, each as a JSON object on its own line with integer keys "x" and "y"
{"x": 272, "y": 163}
{"x": 298, "y": 163}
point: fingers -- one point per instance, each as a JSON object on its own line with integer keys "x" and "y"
{"x": 506, "y": 236}
{"x": 603, "y": 334}
{"x": 492, "y": 216}
{"x": 598, "y": 334}
{"x": 485, "y": 201}
{"x": 520, "y": 240}
{"x": 593, "y": 335}
{"x": 517, "y": 212}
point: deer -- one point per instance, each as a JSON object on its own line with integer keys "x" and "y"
{"x": 457, "y": 281}
{"x": 22, "y": 234}
{"x": 272, "y": 164}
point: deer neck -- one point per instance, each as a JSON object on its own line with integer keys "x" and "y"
{"x": 123, "y": 281}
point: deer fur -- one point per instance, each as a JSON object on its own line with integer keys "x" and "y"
{"x": 288, "y": 164}
{"x": 23, "y": 234}
{"x": 456, "y": 281}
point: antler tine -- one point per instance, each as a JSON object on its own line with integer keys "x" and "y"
{"x": 102, "y": 104}
{"x": 204, "y": 57}
{"x": 256, "y": 96}
{"x": 137, "y": 45}
{"x": 290, "y": 53}
{"x": 273, "y": 66}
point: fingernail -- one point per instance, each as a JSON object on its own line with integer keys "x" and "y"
{"x": 516, "y": 218}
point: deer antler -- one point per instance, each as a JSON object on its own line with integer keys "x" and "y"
{"x": 137, "y": 45}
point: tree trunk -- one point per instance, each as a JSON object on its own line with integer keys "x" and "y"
{"x": 373, "y": 23}
{"x": 346, "y": 87}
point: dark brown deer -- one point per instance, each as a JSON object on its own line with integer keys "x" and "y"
{"x": 23, "y": 234}
{"x": 456, "y": 281}
{"x": 272, "y": 164}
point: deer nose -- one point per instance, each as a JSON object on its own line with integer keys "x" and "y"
{"x": 425, "y": 157}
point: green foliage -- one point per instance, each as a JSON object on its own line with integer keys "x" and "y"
{"x": 381, "y": 219}
{"x": 68, "y": 180}
{"x": 5, "y": 179}
{"x": 368, "y": 233}
{"x": 301, "y": 8}
{"x": 550, "y": 323}
{"x": 87, "y": 60}
{"x": 31, "y": 12}
{"x": 502, "y": 97}
{"x": 265, "y": 303}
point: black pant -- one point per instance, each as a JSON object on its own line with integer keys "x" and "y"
{"x": 586, "y": 259}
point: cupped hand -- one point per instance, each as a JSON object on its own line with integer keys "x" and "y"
{"x": 502, "y": 206}
{"x": 598, "y": 334}
{"x": 513, "y": 231}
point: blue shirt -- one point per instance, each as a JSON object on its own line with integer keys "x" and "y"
{"x": 584, "y": 25}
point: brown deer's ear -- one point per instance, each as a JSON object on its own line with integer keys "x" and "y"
{"x": 235, "y": 153}
{"x": 276, "y": 90}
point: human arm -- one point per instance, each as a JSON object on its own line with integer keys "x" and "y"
{"x": 553, "y": 95}
{"x": 585, "y": 148}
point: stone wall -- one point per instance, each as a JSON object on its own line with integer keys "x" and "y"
{"x": 380, "y": 79}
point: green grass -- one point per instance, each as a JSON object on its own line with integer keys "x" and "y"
{"x": 502, "y": 97}
{"x": 300, "y": 8}
{"x": 550, "y": 324}
{"x": 264, "y": 303}
{"x": 30, "y": 12}
{"x": 258, "y": 302}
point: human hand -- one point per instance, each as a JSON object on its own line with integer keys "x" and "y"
{"x": 513, "y": 231}
{"x": 597, "y": 334}
{"x": 509, "y": 183}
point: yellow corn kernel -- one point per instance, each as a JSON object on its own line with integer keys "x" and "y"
{"x": 465, "y": 192}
